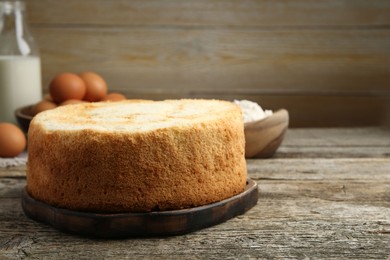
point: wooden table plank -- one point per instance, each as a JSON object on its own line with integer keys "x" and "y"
{"x": 308, "y": 208}
{"x": 234, "y": 13}
{"x": 342, "y": 137}
{"x": 336, "y": 143}
{"x": 276, "y": 226}
{"x": 180, "y": 60}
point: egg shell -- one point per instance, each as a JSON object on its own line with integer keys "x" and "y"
{"x": 96, "y": 86}
{"x": 66, "y": 86}
{"x": 43, "y": 106}
{"x": 47, "y": 97}
{"x": 12, "y": 140}
{"x": 71, "y": 101}
{"x": 114, "y": 97}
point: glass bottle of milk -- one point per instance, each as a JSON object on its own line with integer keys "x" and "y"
{"x": 20, "y": 66}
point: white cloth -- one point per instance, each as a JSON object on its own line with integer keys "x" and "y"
{"x": 19, "y": 160}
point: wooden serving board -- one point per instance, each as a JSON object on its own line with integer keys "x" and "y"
{"x": 158, "y": 223}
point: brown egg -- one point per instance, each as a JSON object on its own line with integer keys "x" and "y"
{"x": 114, "y": 97}
{"x": 12, "y": 140}
{"x": 71, "y": 101}
{"x": 67, "y": 86}
{"x": 42, "y": 106}
{"x": 96, "y": 86}
{"x": 47, "y": 97}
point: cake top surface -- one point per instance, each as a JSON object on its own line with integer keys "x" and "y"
{"x": 133, "y": 115}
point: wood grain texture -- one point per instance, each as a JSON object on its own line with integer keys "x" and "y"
{"x": 311, "y": 207}
{"x": 180, "y": 60}
{"x": 332, "y": 53}
{"x": 261, "y": 13}
{"x": 336, "y": 143}
{"x": 151, "y": 224}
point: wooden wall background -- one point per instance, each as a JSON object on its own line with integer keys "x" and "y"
{"x": 327, "y": 62}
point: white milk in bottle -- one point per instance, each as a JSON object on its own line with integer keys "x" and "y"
{"x": 20, "y": 66}
{"x": 20, "y": 84}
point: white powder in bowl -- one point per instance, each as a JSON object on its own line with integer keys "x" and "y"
{"x": 251, "y": 111}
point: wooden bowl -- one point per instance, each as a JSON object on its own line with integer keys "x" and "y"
{"x": 263, "y": 137}
{"x": 23, "y": 116}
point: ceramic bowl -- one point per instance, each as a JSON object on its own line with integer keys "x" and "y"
{"x": 23, "y": 116}
{"x": 263, "y": 137}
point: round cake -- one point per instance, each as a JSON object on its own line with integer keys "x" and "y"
{"x": 136, "y": 156}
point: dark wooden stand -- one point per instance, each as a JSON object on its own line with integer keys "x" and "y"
{"x": 159, "y": 223}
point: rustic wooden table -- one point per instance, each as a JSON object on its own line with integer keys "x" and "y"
{"x": 326, "y": 194}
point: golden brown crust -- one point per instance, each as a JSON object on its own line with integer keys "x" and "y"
{"x": 168, "y": 168}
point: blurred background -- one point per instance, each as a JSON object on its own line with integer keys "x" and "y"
{"x": 327, "y": 62}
